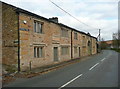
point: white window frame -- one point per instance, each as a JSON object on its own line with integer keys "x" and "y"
{"x": 38, "y": 27}
{"x": 76, "y": 35}
{"x": 38, "y": 51}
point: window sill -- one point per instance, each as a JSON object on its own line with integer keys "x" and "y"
{"x": 39, "y": 58}
{"x": 39, "y": 33}
{"x": 65, "y": 55}
{"x": 64, "y": 37}
{"x": 75, "y": 39}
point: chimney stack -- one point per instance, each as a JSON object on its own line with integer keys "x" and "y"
{"x": 54, "y": 19}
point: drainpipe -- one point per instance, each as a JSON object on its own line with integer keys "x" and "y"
{"x": 96, "y": 45}
{"x": 91, "y": 47}
{"x": 71, "y": 45}
{"x": 18, "y": 45}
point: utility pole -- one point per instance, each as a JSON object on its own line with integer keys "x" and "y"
{"x": 99, "y": 41}
{"x": 99, "y": 34}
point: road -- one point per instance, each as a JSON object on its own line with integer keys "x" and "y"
{"x": 100, "y": 70}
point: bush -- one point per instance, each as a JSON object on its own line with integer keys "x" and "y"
{"x": 116, "y": 49}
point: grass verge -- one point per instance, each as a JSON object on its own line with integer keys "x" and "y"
{"x": 115, "y": 49}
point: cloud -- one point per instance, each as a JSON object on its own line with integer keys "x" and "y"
{"x": 96, "y": 13}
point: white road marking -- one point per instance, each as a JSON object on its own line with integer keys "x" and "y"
{"x": 93, "y": 66}
{"x": 70, "y": 81}
{"x": 103, "y": 59}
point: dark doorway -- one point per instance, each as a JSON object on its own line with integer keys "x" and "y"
{"x": 55, "y": 53}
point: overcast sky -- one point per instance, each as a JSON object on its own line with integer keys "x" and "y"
{"x": 98, "y": 14}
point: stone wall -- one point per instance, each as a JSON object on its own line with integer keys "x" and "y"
{"x": 50, "y": 38}
{"x": 94, "y": 46}
{"x": 9, "y": 35}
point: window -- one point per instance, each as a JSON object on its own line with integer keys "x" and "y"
{"x": 38, "y": 52}
{"x": 34, "y": 26}
{"x": 88, "y": 43}
{"x": 75, "y": 50}
{"x": 38, "y": 27}
{"x": 83, "y": 41}
{"x": 64, "y": 50}
{"x": 75, "y": 35}
{"x": 64, "y": 33}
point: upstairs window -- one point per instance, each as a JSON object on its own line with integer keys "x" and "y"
{"x": 84, "y": 40}
{"x": 75, "y": 35}
{"x": 88, "y": 43}
{"x": 38, "y": 27}
{"x": 64, "y": 33}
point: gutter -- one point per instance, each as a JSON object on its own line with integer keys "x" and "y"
{"x": 18, "y": 46}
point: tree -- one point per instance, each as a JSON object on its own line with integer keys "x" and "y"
{"x": 116, "y": 40}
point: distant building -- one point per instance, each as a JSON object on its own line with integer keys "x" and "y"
{"x": 110, "y": 43}
{"x": 106, "y": 44}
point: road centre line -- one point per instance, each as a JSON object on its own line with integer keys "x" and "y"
{"x": 93, "y": 66}
{"x": 70, "y": 81}
{"x": 79, "y": 75}
{"x": 103, "y": 59}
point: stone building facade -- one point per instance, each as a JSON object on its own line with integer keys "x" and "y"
{"x": 30, "y": 41}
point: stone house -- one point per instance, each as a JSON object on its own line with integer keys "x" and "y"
{"x": 30, "y": 40}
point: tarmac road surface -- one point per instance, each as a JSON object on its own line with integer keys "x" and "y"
{"x": 100, "y": 70}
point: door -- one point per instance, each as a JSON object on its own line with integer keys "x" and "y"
{"x": 89, "y": 47}
{"x": 79, "y": 51}
{"x": 55, "y": 53}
